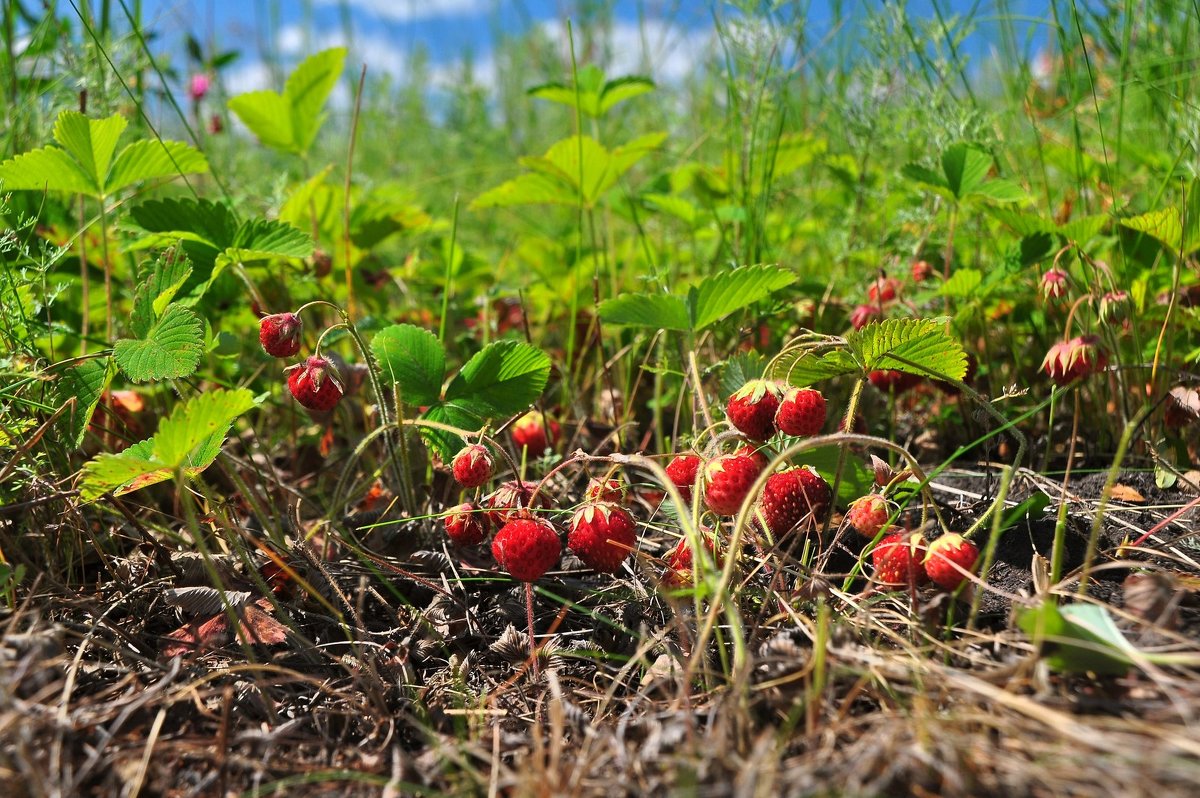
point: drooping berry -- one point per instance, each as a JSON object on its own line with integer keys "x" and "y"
{"x": 1115, "y": 307}
{"x": 315, "y": 383}
{"x": 897, "y": 559}
{"x": 1053, "y": 284}
{"x": 752, "y": 409}
{"x": 609, "y": 491}
{"x": 801, "y": 413}
{"x": 921, "y": 270}
{"x": 466, "y": 525}
{"x": 727, "y": 481}
{"x": 682, "y": 470}
{"x": 526, "y": 547}
{"x": 681, "y": 561}
{"x": 868, "y": 514}
{"x": 883, "y": 289}
{"x": 504, "y": 503}
{"x": 473, "y": 465}
{"x": 1080, "y": 357}
{"x": 602, "y": 535}
{"x": 760, "y": 455}
{"x": 279, "y": 334}
{"x": 948, "y": 551}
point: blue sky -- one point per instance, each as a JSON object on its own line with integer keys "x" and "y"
{"x": 669, "y": 34}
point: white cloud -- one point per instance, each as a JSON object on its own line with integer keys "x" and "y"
{"x": 666, "y": 52}
{"x": 247, "y": 76}
{"x": 380, "y": 53}
{"x": 410, "y": 10}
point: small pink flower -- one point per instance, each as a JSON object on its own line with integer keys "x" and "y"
{"x": 1054, "y": 283}
{"x": 1080, "y": 357}
{"x": 198, "y": 87}
{"x": 864, "y": 315}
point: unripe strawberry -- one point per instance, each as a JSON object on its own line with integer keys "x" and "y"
{"x": 868, "y": 514}
{"x": 530, "y": 432}
{"x": 473, "y": 466}
{"x": 1114, "y": 307}
{"x": 315, "y": 384}
{"x": 608, "y": 491}
{"x": 948, "y": 551}
{"x": 602, "y": 535}
{"x": 864, "y": 315}
{"x": 682, "y": 470}
{"x": 727, "y": 481}
{"x": 504, "y": 503}
{"x": 897, "y": 559}
{"x": 752, "y": 409}
{"x": 1053, "y": 284}
{"x": 526, "y": 547}
{"x": 801, "y": 413}
{"x": 279, "y": 334}
{"x": 466, "y": 525}
{"x": 1080, "y": 357}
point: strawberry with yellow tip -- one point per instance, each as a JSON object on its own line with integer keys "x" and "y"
{"x": 947, "y": 555}
{"x": 897, "y": 559}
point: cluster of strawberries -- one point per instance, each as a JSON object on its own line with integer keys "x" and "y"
{"x": 315, "y": 383}
{"x": 904, "y": 558}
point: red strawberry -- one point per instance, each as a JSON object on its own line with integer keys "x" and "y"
{"x": 897, "y": 381}
{"x": 1080, "y": 357}
{"x": 759, "y": 456}
{"x": 883, "y": 289}
{"x": 603, "y": 535}
{"x": 504, "y": 502}
{"x": 752, "y": 409}
{"x": 526, "y": 547}
{"x": 868, "y": 514}
{"x": 466, "y": 525}
{"x": 315, "y": 384}
{"x": 782, "y": 503}
{"x": 864, "y": 315}
{"x": 897, "y": 559}
{"x": 727, "y": 481}
{"x": 921, "y": 271}
{"x": 816, "y": 491}
{"x": 680, "y": 561}
{"x": 802, "y": 412}
{"x": 532, "y": 431}
{"x": 948, "y": 551}
{"x": 682, "y": 470}
{"x": 473, "y": 466}
{"x": 609, "y": 491}
{"x": 279, "y": 334}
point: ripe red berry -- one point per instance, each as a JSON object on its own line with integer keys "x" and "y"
{"x": 1080, "y": 357}
{"x": 868, "y": 514}
{"x": 602, "y": 535}
{"x": 864, "y": 315}
{"x": 883, "y": 289}
{"x": 466, "y": 525}
{"x": 609, "y": 491}
{"x": 526, "y": 547}
{"x": 897, "y": 559}
{"x": 279, "y": 334}
{"x": 802, "y": 412}
{"x": 505, "y": 501}
{"x": 752, "y": 409}
{"x": 782, "y": 503}
{"x": 948, "y": 551}
{"x": 315, "y": 383}
{"x": 681, "y": 561}
{"x": 759, "y": 456}
{"x": 682, "y": 470}
{"x": 816, "y": 492}
{"x": 727, "y": 481}
{"x": 921, "y": 270}
{"x": 473, "y": 466}
{"x": 531, "y": 431}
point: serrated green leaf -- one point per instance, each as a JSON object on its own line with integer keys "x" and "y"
{"x": 801, "y": 369}
{"x": 171, "y": 349}
{"x": 46, "y": 169}
{"x": 1000, "y": 190}
{"x": 678, "y": 207}
{"x": 503, "y": 378}
{"x": 729, "y": 292}
{"x": 1035, "y": 248}
{"x": 655, "y": 311}
{"x": 412, "y": 359}
{"x": 192, "y": 435}
{"x": 962, "y": 283}
{"x": 157, "y": 286}
{"x": 528, "y": 189}
{"x": 86, "y": 382}
{"x": 622, "y": 89}
{"x": 306, "y": 91}
{"x": 120, "y": 473}
{"x": 268, "y": 117}
{"x": 916, "y": 346}
{"x": 1162, "y": 225}
{"x": 149, "y": 160}
{"x": 198, "y": 220}
{"x": 91, "y": 142}
{"x": 261, "y": 239}
{"x": 925, "y": 176}
{"x": 1083, "y": 229}
{"x": 455, "y": 414}
{"x": 740, "y": 369}
{"x": 965, "y": 166}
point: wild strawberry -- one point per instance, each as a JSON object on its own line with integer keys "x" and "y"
{"x": 198, "y": 86}
{"x": 1080, "y": 357}
{"x": 802, "y": 412}
{"x": 602, "y": 535}
{"x": 782, "y": 503}
{"x": 681, "y": 561}
{"x": 921, "y": 270}
{"x": 816, "y": 492}
{"x": 1053, "y": 284}
{"x": 948, "y": 551}
{"x": 279, "y": 334}
{"x": 315, "y": 383}
{"x": 897, "y": 559}
{"x": 473, "y": 466}
{"x": 883, "y": 289}
{"x": 868, "y": 514}
{"x": 752, "y": 409}
{"x": 465, "y": 525}
{"x": 682, "y": 470}
{"x": 895, "y": 381}
{"x": 526, "y": 547}
{"x": 727, "y": 481}
{"x": 608, "y": 491}
{"x": 1114, "y": 307}
{"x": 534, "y": 432}
{"x": 505, "y": 501}
{"x": 864, "y": 315}
{"x": 760, "y": 456}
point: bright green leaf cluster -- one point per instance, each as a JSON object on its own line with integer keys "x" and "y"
{"x": 289, "y": 122}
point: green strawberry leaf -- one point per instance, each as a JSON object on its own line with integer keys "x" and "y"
{"x": 86, "y": 383}
{"x": 413, "y": 359}
{"x": 916, "y": 346}
{"x": 171, "y": 349}
{"x": 502, "y": 379}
